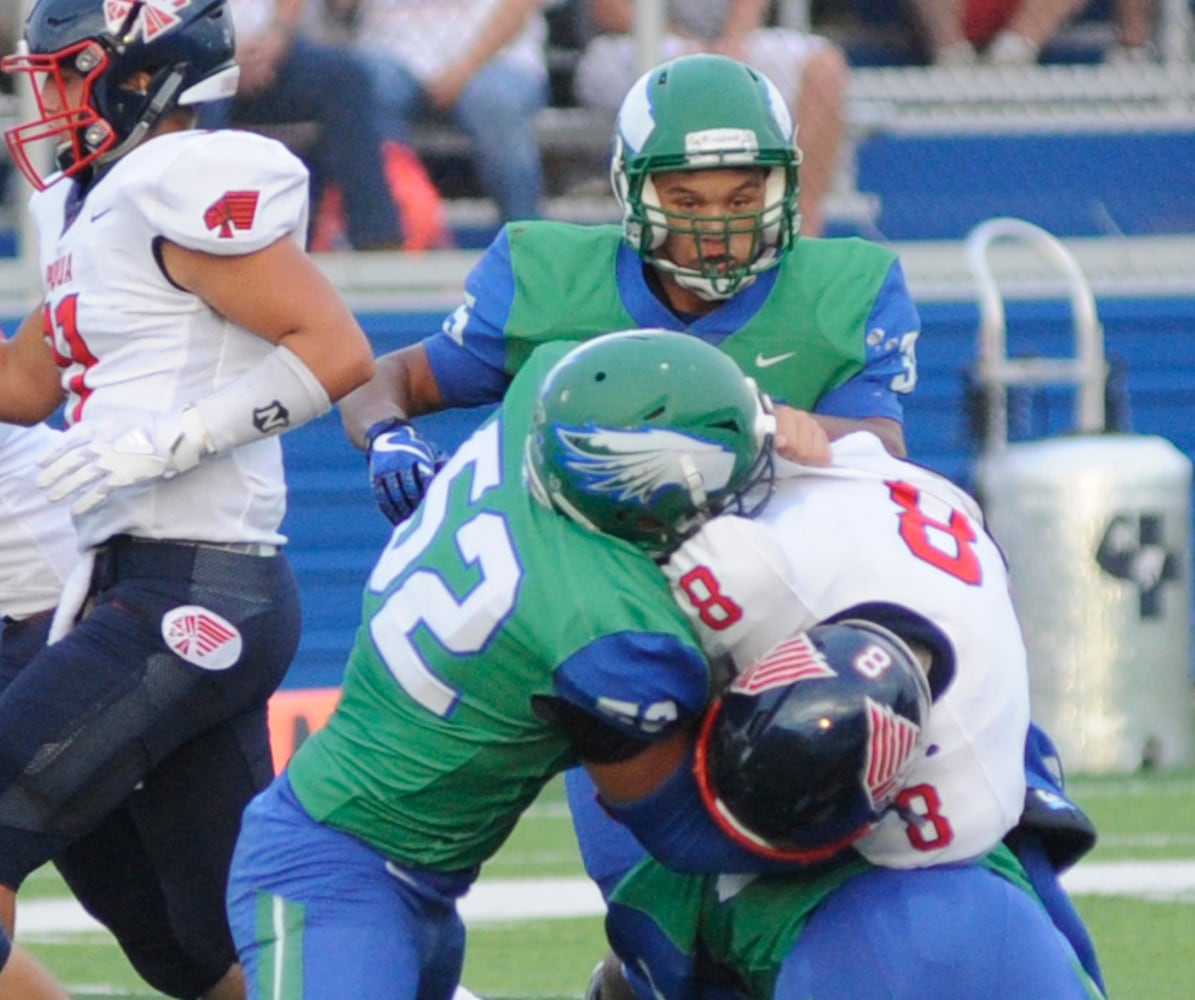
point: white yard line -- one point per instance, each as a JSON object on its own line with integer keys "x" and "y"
{"x": 508, "y": 900}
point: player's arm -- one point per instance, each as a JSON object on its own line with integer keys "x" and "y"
{"x": 805, "y": 437}
{"x": 280, "y": 295}
{"x": 655, "y": 795}
{"x": 30, "y": 388}
{"x": 22, "y": 977}
{"x": 629, "y": 703}
{"x": 403, "y": 386}
{"x": 276, "y": 293}
{"x": 460, "y": 365}
{"x": 871, "y": 400}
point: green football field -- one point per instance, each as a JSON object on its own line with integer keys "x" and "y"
{"x": 1146, "y": 942}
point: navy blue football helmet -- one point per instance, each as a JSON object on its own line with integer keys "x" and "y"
{"x": 806, "y": 750}
{"x": 185, "y": 50}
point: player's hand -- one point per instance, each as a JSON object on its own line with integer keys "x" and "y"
{"x": 401, "y": 466}
{"x": 800, "y": 438}
{"x": 93, "y": 461}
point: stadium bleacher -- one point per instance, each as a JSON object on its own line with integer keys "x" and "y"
{"x": 902, "y": 114}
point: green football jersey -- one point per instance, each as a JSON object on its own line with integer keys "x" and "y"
{"x": 474, "y": 608}
{"x": 806, "y": 337}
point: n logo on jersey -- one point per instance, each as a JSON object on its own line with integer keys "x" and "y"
{"x": 154, "y": 18}
{"x": 201, "y": 637}
{"x": 232, "y": 210}
{"x": 635, "y": 465}
{"x": 795, "y": 659}
{"x": 891, "y": 741}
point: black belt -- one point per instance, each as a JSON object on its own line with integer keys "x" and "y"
{"x": 126, "y": 555}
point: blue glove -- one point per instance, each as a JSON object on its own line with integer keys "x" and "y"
{"x": 401, "y": 466}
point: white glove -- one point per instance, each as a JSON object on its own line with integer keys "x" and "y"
{"x": 94, "y": 461}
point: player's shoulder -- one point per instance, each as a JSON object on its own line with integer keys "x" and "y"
{"x": 200, "y": 156}
{"x": 224, "y": 191}
{"x": 550, "y": 237}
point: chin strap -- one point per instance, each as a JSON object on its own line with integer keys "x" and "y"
{"x": 162, "y": 101}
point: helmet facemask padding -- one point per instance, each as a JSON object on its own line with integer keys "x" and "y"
{"x": 162, "y": 101}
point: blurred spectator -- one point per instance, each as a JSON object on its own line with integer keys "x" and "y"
{"x": 478, "y": 63}
{"x": 286, "y": 77}
{"x": 10, "y": 31}
{"x": 1136, "y": 32}
{"x": 809, "y": 70}
{"x": 1006, "y": 32}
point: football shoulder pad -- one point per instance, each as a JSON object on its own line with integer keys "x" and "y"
{"x": 225, "y": 192}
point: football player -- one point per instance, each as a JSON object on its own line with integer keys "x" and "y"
{"x": 183, "y": 328}
{"x": 705, "y": 168}
{"x": 805, "y": 754}
{"x": 876, "y": 538}
{"x": 516, "y": 626}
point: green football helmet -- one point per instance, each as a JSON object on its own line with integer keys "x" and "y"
{"x": 645, "y": 434}
{"x": 704, "y": 112}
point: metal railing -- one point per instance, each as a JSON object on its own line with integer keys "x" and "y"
{"x": 1086, "y": 370}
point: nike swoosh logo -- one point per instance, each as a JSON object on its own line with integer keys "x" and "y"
{"x": 389, "y": 444}
{"x": 762, "y": 362}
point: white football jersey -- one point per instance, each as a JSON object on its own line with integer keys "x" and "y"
{"x": 37, "y": 540}
{"x": 871, "y": 529}
{"x": 131, "y": 343}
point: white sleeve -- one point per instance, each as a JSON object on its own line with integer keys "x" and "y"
{"x": 229, "y": 193}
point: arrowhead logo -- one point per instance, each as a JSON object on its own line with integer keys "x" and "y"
{"x": 232, "y": 210}
{"x": 892, "y": 740}
{"x": 796, "y": 659}
{"x": 154, "y": 18}
{"x": 202, "y": 637}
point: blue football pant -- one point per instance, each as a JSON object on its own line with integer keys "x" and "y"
{"x": 933, "y": 932}
{"x": 319, "y": 915}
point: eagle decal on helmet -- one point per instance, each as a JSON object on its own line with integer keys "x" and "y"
{"x": 638, "y": 464}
